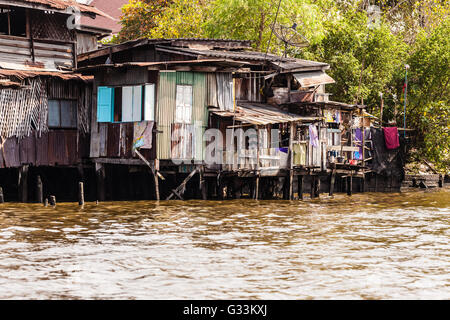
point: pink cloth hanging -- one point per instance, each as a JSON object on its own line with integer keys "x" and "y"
{"x": 391, "y": 138}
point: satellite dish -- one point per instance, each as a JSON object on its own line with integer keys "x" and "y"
{"x": 289, "y": 36}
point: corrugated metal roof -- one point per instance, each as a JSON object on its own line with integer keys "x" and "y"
{"x": 312, "y": 79}
{"x": 262, "y": 114}
{"x": 21, "y": 75}
{"x": 285, "y": 63}
{"x": 60, "y": 5}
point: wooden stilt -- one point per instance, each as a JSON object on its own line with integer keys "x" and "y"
{"x": 300, "y": 186}
{"x": 2, "y": 198}
{"x": 23, "y": 183}
{"x": 39, "y": 190}
{"x": 332, "y": 179}
{"x": 256, "y": 187}
{"x": 52, "y": 200}
{"x": 441, "y": 181}
{"x": 203, "y": 185}
{"x": 100, "y": 174}
{"x": 350, "y": 184}
{"x": 291, "y": 159}
{"x": 313, "y": 182}
{"x": 81, "y": 193}
{"x": 182, "y": 185}
{"x": 317, "y": 187}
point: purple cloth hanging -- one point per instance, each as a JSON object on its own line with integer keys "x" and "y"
{"x": 313, "y": 136}
{"x": 358, "y": 140}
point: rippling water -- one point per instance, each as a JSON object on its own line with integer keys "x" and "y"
{"x": 371, "y": 246}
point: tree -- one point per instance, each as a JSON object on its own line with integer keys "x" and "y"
{"x": 138, "y": 18}
{"x": 181, "y": 19}
{"x": 429, "y": 94}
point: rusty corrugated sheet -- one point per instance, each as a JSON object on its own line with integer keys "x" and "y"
{"x": 11, "y": 153}
{"x": 57, "y": 148}
{"x": 61, "y": 5}
{"x": 42, "y": 150}
{"x": 24, "y": 74}
{"x": 312, "y": 79}
{"x": 165, "y": 113}
{"x": 27, "y": 147}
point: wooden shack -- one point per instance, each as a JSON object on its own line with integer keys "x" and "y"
{"x": 44, "y": 106}
{"x": 156, "y": 97}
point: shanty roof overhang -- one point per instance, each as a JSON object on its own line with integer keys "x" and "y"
{"x": 21, "y": 75}
{"x": 329, "y": 104}
{"x": 263, "y": 114}
{"x": 61, "y": 6}
{"x": 313, "y": 79}
{"x": 167, "y": 65}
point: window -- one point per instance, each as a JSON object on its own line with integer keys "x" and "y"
{"x": 183, "y": 110}
{"x": 62, "y": 113}
{"x": 126, "y": 104}
{"x": 13, "y": 22}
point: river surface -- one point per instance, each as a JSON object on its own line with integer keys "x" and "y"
{"x": 368, "y": 246}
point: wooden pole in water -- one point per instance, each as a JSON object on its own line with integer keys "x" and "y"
{"x": 23, "y": 183}
{"x": 52, "y": 200}
{"x": 81, "y": 193}
{"x": 257, "y": 164}
{"x": 203, "y": 183}
{"x": 39, "y": 190}
{"x": 100, "y": 173}
{"x": 300, "y": 186}
{"x": 313, "y": 182}
{"x": 332, "y": 178}
{"x": 350, "y": 183}
{"x": 317, "y": 187}
{"x": 2, "y": 198}
{"x": 291, "y": 165}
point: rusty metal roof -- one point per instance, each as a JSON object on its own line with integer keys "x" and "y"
{"x": 263, "y": 114}
{"x": 59, "y": 5}
{"x": 312, "y": 79}
{"x": 21, "y": 75}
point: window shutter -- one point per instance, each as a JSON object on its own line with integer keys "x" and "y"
{"x": 105, "y": 104}
{"x": 127, "y": 104}
{"x": 149, "y": 103}
{"x": 137, "y": 103}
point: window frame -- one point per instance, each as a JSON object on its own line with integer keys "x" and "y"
{"x": 116, "y": 99}
{"x": 8, "y": 11}
{"x": 74, "y": 104}
{"x": 186, "y": 108}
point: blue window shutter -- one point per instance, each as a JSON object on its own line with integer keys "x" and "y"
{"x": 105, "y": 104}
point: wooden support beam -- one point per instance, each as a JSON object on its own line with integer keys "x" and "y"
{"x": 300, "y": 186}
{"x": 183, "y": 184}
{"x": 81, "y": 193}
{"x": 350, "y": 184}
{"x": 23, "y": 183}
{"x": 317, "y": 187}
{"x": 101, "y": 175}
{"x": 203, "y": 186}
{"x": 291, "y": 155}
{"x": 332, "y": 179}
{"x": 313, "y": 182}
{"x": 2, "y": 198}
{"x": 39, "y": 190}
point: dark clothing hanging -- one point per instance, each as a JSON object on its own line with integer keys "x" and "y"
{"x": 391, "y": 138}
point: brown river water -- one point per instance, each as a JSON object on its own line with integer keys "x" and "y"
{"x": 368, "y": 246}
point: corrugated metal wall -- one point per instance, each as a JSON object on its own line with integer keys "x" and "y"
{"x": 165, "y": 113}
{"x": 199, "y": 113}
